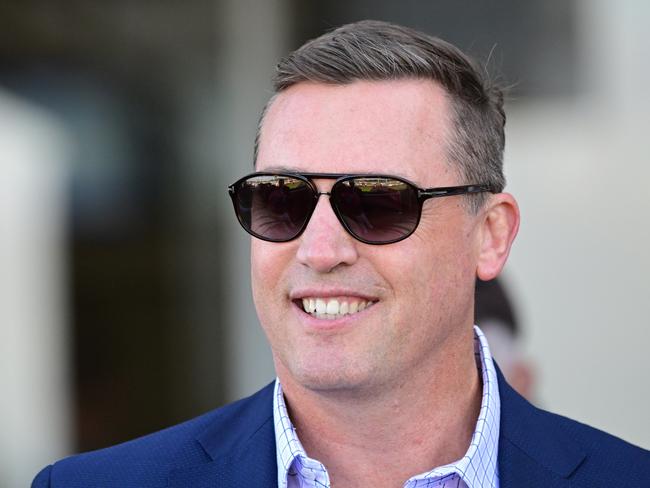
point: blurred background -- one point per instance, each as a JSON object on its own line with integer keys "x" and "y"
{"x": 124, "y": 277}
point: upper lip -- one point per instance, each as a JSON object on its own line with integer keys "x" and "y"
{"x": 329, "y": 292}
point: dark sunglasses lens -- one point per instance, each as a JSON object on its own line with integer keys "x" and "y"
{"x": 274, "y": 207}
{"x": 377, "y": 210}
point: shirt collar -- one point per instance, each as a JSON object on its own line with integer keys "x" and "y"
{"x": 477, "y": 468}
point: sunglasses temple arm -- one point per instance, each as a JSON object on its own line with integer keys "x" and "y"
{"x": 451, "y": 191}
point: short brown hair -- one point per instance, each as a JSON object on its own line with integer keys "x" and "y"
{"x": 379, "y": 51}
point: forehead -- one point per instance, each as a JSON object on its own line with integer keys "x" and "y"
{"x": 396, "y": 127}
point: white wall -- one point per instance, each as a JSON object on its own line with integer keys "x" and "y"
{"x": 580, "y": 169}
{"x": 35, "y": 416}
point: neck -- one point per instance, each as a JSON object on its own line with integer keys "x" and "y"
{"x": 407, "y": 428}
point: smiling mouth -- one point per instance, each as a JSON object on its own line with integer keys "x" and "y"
{"x": 332, "y": 308}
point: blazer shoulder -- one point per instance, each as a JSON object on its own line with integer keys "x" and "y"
{"x": 148, "y": 460}
{"x": 571, "y": 450}
{"x": 42, "y": 479}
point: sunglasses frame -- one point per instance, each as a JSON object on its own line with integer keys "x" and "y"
{"x": 423, "y": 194}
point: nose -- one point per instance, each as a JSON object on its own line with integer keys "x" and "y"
{"x": 325, "y": 244}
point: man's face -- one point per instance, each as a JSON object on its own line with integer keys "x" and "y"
{"x": 417, "y": 293}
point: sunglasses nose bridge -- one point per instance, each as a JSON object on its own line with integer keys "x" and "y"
{"x": 317, "y": 195}
{"x": 332, "y": 204}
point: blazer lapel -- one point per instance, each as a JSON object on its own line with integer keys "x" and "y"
{"x": 241, "y": 444}
{"x": 252, "y": 465}
{"x": 517, "y": 469}
{"x": 533, "y": 450}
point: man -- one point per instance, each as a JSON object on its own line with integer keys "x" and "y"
{"x": 376, "y": 203}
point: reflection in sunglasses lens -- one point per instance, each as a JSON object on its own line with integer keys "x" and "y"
{"x": 275, "y": 207}
{"x": 377, "y": 209}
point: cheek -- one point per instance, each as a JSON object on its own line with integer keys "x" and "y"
{"x": 269, "y": 263}
{"x": 430, "y": 274}
{"x": 263, "y": 274}
{"x": 257, "y": 261}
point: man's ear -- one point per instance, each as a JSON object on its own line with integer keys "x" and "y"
{"x": 499, "y": 228}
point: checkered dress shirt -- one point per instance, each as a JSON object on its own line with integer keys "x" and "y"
{"x": 476, "y": 469}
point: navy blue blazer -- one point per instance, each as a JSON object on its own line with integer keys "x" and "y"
{"x": 234, "y": 446}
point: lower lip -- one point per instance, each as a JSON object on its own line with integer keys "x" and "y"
{"x": 344, "y": 321}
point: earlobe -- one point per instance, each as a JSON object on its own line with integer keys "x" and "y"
{"x": 498, "y": 232}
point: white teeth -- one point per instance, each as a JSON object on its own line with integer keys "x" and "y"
{"x": 330, "y": 309}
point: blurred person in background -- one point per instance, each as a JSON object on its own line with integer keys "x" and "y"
{"x": 496, "y": 315}
{"x": 377, "y": 203}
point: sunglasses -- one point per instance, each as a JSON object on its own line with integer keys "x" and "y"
{"x": 374, "y": 209}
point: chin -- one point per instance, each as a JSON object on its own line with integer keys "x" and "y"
{"x": 332, "y": 380}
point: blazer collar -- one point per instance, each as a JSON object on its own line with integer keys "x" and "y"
{"x": 241, "y": 444}
{"x": 533, "y": 449}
